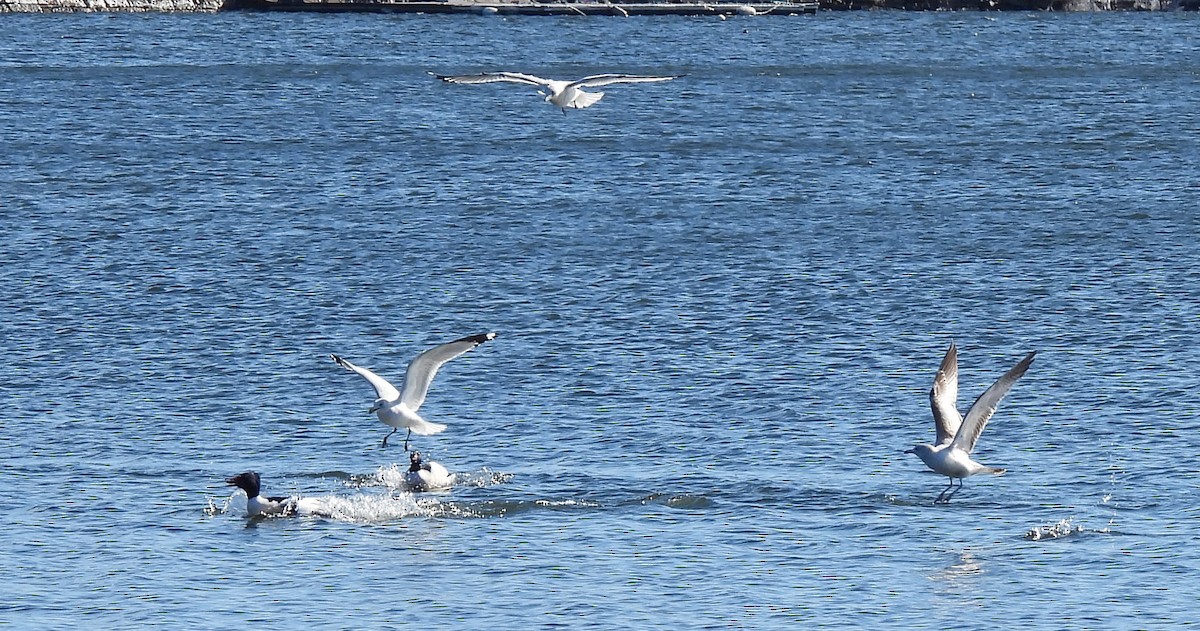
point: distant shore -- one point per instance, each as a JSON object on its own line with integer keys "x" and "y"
{"x": 623, "y": 8}
{"x": 602, "y": 7}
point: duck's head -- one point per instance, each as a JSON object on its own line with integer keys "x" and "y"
{"x": 248, "y": 482}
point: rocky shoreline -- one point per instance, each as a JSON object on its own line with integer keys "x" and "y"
{"x": 112, "y": 6}
{"x": 1011, "y": 5}
{"x": 211, "y": 6}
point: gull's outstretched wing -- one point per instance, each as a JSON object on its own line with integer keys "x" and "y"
{"x": 383, "y": 389}
{"x": 422, "y": 369}
{"x": 608, "y": 79}
{"x": 943, "y": 397}
{"x": 495, "y": 77}
{"x": 983, "y": 408}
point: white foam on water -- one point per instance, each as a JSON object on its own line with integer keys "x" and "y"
{"x": 366, "y": 508}
{"x": 482, "y": 478}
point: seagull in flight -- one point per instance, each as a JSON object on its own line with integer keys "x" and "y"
{"x": 563, "y": 94}
{"x": 957, "y": 435}
{"x": 399, "y": 409}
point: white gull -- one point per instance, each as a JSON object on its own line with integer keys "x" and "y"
{"x": 957, "y": 435}
{"x": 563, "y": 94}
{"x": 399, "y": 409}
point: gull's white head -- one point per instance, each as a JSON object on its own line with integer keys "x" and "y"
{"x": 377, "y": 406}
{"x": 924, "y": 452}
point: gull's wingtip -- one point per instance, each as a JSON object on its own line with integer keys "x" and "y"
{"x": 1024, "y": 364}
{"x": 477, "y": 339}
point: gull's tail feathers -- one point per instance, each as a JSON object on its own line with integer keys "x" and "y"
{"x": 586, "y": 99}
{"x": 995, "y": 470}
{"x": 426, "y": 428}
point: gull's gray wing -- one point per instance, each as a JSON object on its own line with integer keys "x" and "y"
{"x": 943, "y": 397}
{"x": 422, "y": 369}
{"x": 983, "y": 408}
{"x": 495, "y": 77}
{"x": 607, "y": 79}
{"x": 383, "y": 389}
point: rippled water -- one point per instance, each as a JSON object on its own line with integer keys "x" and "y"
{"x": 721, "y": 301}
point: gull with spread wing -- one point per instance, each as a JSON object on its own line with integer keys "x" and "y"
{"x": 957, "y": 435}
{"x": 399, "y": 409}
{"x": 563, "y": 94}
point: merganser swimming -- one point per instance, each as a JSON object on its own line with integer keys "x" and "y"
{"x": 398, "y": 409}
{"x": 956, "y": 435}
{"x": 426, "y": 476}
{"x": 257, "y": 505}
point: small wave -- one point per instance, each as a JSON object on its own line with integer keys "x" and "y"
{"x": 508, "y": 508}
{"x": 333, "y": 474}
{"x": 685, "y": 501}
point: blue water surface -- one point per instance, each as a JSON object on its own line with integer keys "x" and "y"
{"x": 720, "y": 302}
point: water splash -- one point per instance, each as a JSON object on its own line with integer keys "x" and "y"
{"x": 1063, "y": 528}
{"x": 483, "y": 478}
{"x": 212, "y": 509}
{"x": 509, "y": 508}
{"x": 392, "y": 477}
{"x": 364, "y": 508}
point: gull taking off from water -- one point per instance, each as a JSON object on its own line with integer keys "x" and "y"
{"x": 563, "y": 94}
{"x": 957, "y": 435}
{"x": 399, "y": 409}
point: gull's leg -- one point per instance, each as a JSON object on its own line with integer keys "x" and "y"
{"x": 406, "y": 439}
{"x": 942, "y": 498}
{"x": 388, "y": 436}
{"x": 960, "y": 483}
